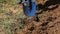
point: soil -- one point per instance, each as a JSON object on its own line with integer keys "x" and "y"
{"x": 49, "y": 23}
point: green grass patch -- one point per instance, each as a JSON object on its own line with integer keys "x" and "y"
{"x": 1, "y": 1}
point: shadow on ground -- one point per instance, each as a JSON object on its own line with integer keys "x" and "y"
{"x": 47, "y": 4}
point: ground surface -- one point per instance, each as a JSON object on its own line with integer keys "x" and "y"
{"x": 14, "y": 21}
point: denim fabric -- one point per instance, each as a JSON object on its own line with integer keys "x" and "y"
{"x": 31, "y": 12}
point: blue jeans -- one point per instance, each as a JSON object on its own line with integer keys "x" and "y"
{"x": 30, "y": 12}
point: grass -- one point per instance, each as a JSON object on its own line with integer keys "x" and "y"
{"x": 8, "y": 19}
{"x": 1, "y": 1}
